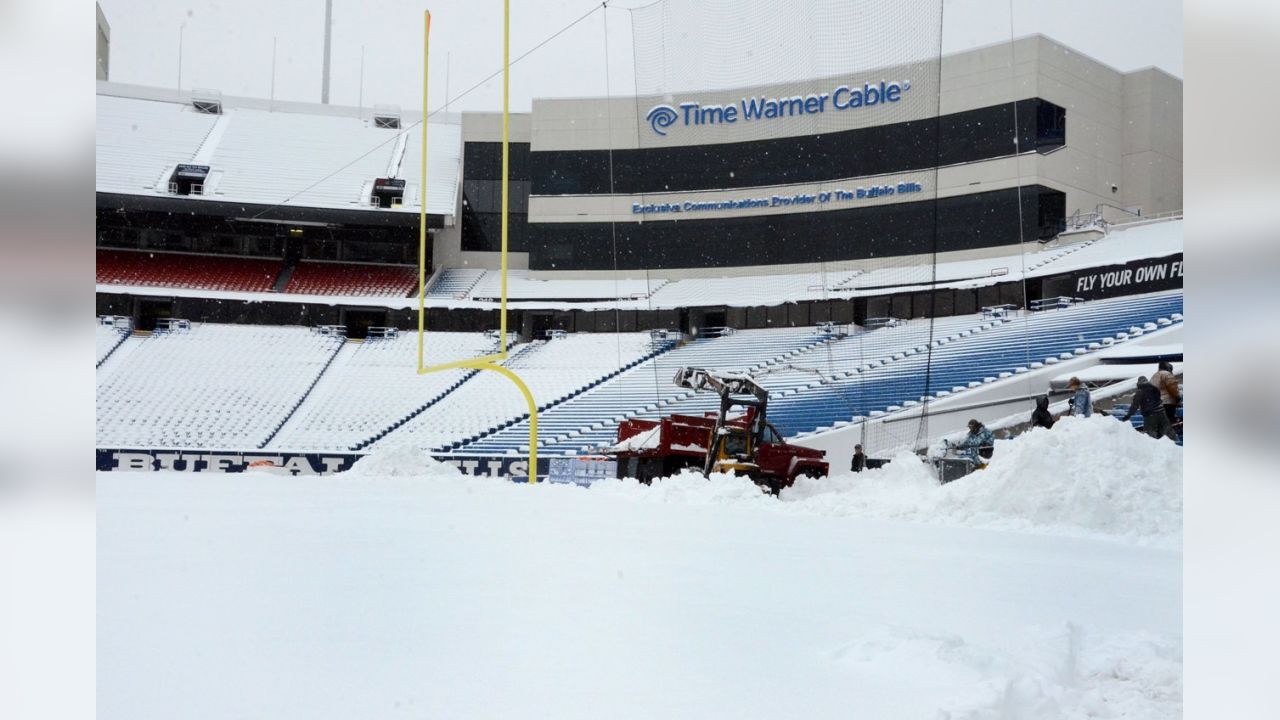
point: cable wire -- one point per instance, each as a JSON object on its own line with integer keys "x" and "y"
{"x": 415, "y": 124}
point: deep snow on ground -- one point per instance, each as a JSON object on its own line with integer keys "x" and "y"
{"x": 402, "y": 589}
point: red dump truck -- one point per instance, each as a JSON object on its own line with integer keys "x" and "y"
{"x": 716, "y": 442}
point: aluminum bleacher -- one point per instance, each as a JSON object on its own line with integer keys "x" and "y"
{"x": 353, "y": 279}
{"x": 178, "y": 270}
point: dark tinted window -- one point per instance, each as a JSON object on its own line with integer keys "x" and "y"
{"x": 968, "y": 136}
{"x": 965, "y": 222}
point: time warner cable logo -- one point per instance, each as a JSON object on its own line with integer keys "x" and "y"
{"x": 662, "y": 116}
{"x": 842, "y": 97}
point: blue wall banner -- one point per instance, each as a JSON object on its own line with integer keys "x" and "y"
{"x": 582, "y": 470}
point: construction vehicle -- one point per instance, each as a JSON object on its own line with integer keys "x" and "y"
{"x": 723, "y": 441}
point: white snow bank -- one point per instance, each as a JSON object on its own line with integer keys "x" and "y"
{"x": 337, "y": 597}
{"x": 401, "y": 461}
{"x": 1095, "y": 474}
{"x": 1095, "y": 477}
{"x": 1063, "y": 672}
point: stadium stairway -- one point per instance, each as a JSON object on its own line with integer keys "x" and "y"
{"x": 589, "y": 417}
{"x": 456, "y": 283}
{"x": 286, "y": 274}
{"x": 824, "y": 365}
{"x": 320, "y": 376}
{"x": 1045, "y": 258}
{"x": 109, "y": 340}
{"x": 844, "y": 283}
{"x": 1012, "y": 347}
{"x": 659, "y": 349}
{"x": 400, "y": 422}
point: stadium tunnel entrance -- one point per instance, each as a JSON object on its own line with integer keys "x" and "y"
{"x": 359, "y": 320}
{"x": 148, "y": 311}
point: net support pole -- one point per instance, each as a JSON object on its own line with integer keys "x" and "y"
{"x": 506, "y": 103}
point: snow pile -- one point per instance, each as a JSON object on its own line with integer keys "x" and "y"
{"x": 689, "y": 488}
{"x": 1095, "y": 477}
{"x": 1094, "y": 474}
{"x": 1064, "y": 672}
{"x": 402, "y": 461}
{"x": 1085, "y": 476}
{"x": 417, "y": 596}
{"x": 901, "y": 489}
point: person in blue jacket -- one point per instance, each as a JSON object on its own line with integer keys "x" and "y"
{"x": 1081, "y": 403}
{"x": 979, "y": 437}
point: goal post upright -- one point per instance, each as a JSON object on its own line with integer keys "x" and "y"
{"x": 492, "y": 361}
{"x": 422, "y": 195}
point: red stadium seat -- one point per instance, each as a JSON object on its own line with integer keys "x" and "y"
{"x": 197, "y": 272}
{"x": 324, "y": 278}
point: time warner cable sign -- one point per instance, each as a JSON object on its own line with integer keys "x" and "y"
{"x": 755, "y": 109}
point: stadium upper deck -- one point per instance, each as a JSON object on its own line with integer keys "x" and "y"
{"x": 270, "y": 160}
{"x": 317, "y": 202}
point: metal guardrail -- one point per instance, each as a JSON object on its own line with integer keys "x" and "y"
{"x": 172, "y": 325}
{"x": 997, "y": 312}
{"x": 120, "y": 322}
{"x": 878, "y": 322}
{"x": 1053, "y": 303}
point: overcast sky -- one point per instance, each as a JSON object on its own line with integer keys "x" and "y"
{"x": 227, "y": 44}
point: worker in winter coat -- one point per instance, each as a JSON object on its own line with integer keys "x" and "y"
{"x": 1081, "y": 402}
{"x": 1040, "y": 417}
{"x": 979, "y": 437}
{"x": 859, "y": 459}
{"x": 1170, "y": 392}
{"x": 1146, "y": 400}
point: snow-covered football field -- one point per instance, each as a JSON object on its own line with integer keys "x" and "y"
{"x": 1048, "y": 586}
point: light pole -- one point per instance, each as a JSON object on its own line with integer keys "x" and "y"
{"x": 181, "y": 29}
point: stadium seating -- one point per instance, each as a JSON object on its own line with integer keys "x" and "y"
{"x": 138, "y": 139}
{"x": 455, "y": 283}
{"x": 374, "y": 386}
{"x": 108, "y": 338}
{"x": 871, "y": 375}
{"x": 553, "y": 370}
{"x": 1003, "y": 349}
{"x": 177, "y": 270}
{"x": 213, "y": 386}
{"x": 324, "y": 278}
{"x": 590, "y": 419}
{"x": 241, "y": 386}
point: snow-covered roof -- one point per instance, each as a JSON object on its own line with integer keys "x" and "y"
{"x": 297, "y": 154}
